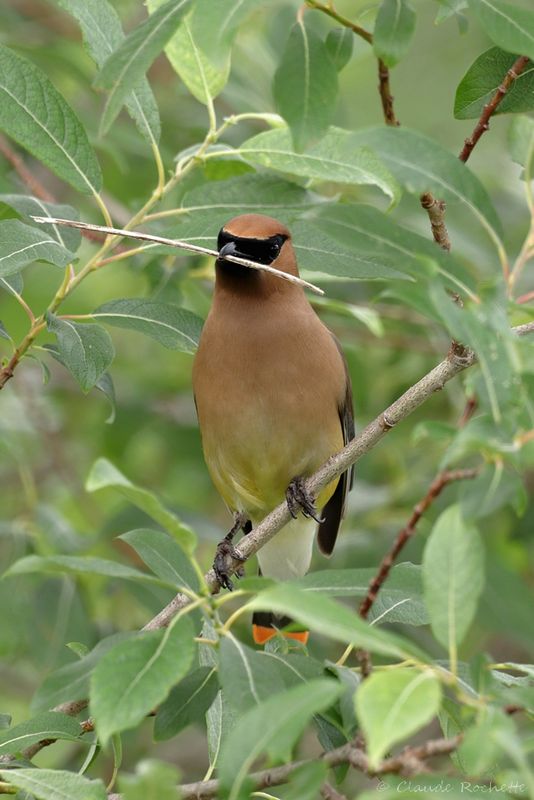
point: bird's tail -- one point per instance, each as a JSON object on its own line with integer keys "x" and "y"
{"x": 265, "y": 625}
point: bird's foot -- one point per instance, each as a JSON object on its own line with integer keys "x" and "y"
{"x": 226, "y": 553}
{"x": 299, "y": 499}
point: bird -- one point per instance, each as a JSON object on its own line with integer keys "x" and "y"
{"x": 274, "y": 401}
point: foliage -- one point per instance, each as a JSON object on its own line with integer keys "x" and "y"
{"x": 237, "y": 107}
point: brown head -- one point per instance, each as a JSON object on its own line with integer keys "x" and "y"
{"x": 258, "y": 238}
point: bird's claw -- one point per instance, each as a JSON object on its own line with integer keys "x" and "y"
{"x": 226, "y": 553}
{"x": 299, "y": 499}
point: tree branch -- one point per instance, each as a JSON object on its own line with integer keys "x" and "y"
{"x": 365, "y": 441}
{"x": 407, "y": 762}
{"x": 386, "y": 97}
{"x": 436, "y": 214}
{"x": 27, "y": 177}
{"x": 32, "y": 184}
{"x": 489, "y": 109}
{"x": 436, "y": 487}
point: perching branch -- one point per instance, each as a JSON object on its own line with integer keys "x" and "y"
{"x": 489, "y": 109}
{"x": 365, "y": 441}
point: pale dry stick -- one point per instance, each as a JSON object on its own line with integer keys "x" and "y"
{"x": 193, "y": 248}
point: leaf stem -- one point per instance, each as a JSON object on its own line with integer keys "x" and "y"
{"x": 329, "y": 10}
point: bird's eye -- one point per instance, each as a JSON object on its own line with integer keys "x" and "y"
{"x": 274, "y": 250}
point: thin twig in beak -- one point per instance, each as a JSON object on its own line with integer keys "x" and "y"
{"x": 193, "y": 248}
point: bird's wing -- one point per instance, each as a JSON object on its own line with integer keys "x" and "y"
{"x": 335, "y": 508}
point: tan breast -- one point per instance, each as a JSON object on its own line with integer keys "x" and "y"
{"x": 268, "y": 382}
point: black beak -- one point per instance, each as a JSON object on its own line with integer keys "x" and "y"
{"x": 229, "y": 249}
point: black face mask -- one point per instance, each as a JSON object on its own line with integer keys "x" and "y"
{"x": 264, "y": 251}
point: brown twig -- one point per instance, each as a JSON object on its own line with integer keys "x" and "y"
{"x": 436, "y": 214}
{"x": 436, "y": 487}
{"x": 385, "y": 95}
{"x": 489, "y": 109}
{"x": 328, "y": 792}
{"x": 33, "y": 184}
{"x": 27, "y": 177}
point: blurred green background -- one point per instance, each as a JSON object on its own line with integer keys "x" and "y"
{"x": 51, "y": 434}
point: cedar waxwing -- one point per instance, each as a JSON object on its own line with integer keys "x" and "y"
{"x": 274, "y": 402}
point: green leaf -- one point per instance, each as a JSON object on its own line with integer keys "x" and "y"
{"x": 215, "y": 25}
{"x": 71, "y": 682}
{"x": 80, "y": 565}
{"x": 394, "y": 28}
{"x": 366, "y": 316}
{"x": 171, "y": 326}
{"x": 485, "y": 328}
{"x": 153, "y": 780}
{"x": 85, "y": 349}
{"x": 54, "y": 784}
{"x": 105, "y": 475}
{"x": 51, "y": 725}
{"x": 399, "y": 600}
{"x": 305, "y": 782}
{"x": 105, "y": 385}
{"x": 337, "y": 158}
{"x": 202, "y": 77}
{"x": 246, "y": 194}
{"x": 521, "y": 142}
{"x": 482, "y": 80}
{"x": 247, "y": 677}
{"x": 510, "y": 27}
{"x": 164, "y": 556}
{"x": 5, "y": 721}
{"x": 3, "y": 331}
{"x": 21, "y": 244}
{"x": 392, "y": 705}
{"x": 490, "y": 491}
{"x": 128, "y": 63}
{"x": 136, "y": 675}
{"x": 187, "y": 703}
{"x": 370, "y": 244}
{"x": 102, "y": 34}
{"x": 36, "y": 116}
{"x": 305, "y": 85}
{"x": 294, "y": 668}
{"x": 272, "y": 727}
{"x": 340, "y": 44}
{"x": 13, "y": 284}
{"x": 480, "y": 749}
{"x": 453, "y": 576}
{"x": 26, "y": 205}
{"x": 220, "y": 717}
{"x": 321, "y": 252}
{"x": 422, "y": 165}
{"x": 329, "y": 618}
